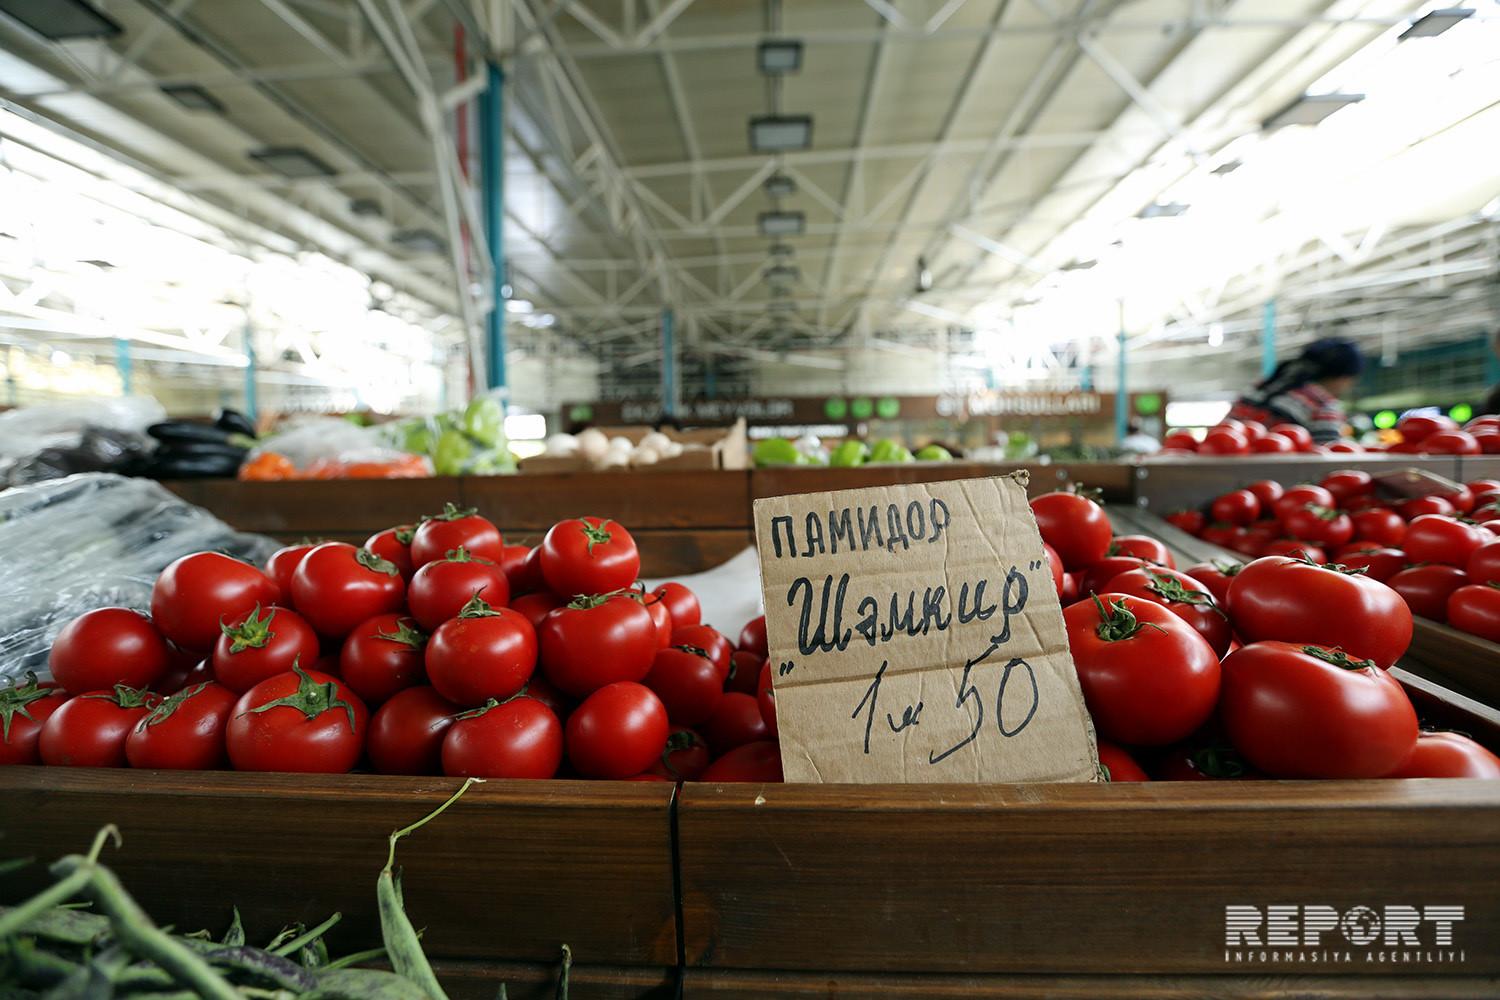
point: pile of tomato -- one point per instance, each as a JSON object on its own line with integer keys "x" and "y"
{"x": 1274, "y": 669}
{"x": 1417, "y": 434}
{"x": 434, "y": 648}
{"x": 1440, "y": 552}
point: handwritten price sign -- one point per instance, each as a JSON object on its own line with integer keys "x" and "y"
{"x": 916, "y": 636}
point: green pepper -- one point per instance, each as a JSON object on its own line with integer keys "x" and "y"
{"x": 451, "y": 454}
{"x": 484, "y": 421}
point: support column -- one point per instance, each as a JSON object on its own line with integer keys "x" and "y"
{"x": 668, "y": 365}
{"x": 1268, "y": 338}
{"x": 124, "y": 365}
{"x": 1122, "y": 395}
{"x": 492, "y": 169}
{"x": 251, "y": 403}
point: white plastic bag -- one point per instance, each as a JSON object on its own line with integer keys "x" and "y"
{"x": 53, "y": 440}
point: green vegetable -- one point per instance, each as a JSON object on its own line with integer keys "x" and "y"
{"x": 778, "y": 451}
{"x": 484, "y": 421}
{"x": 888, "y": 450}
{"x": 849, "y": 454}
{"x": 451, "y": 454}
{"x": 934, "y": 453}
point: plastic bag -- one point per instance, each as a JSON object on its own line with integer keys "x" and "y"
{"x": 53, "y": 440}
{"x": 467, "y": 442}
{"x": 329, "y": 448}
{"x": 93, "y": 541}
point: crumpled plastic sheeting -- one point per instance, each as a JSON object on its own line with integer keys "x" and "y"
{"x": 729, "y": 594}
{"x": 92, "y": 541}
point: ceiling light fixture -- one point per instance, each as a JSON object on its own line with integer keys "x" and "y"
{"x": 782, "y": 250}
{"x": 1227, "y": 167}
{"x": 193, "y": 97}
{"x": 1310, "y": 109}
{"x": 291, "y": 161}
{"x": 780, "y": 186}
{"x": 1080, "y": 265}
{"x": 364, "y": 206}
{"x": 781, "y": 223}
{"x": 781, "y": 274}
{"x": 1435, "y": 22}
{"x": 780, "y": 133}
{"x": 781, "y": 306}
{"x": 776, "y": 56}
{"x": 924, "y": 276}
{"x": 1158, "y": 210}
{"x": 418, "y": 241}
{"x": 61, "y": 19}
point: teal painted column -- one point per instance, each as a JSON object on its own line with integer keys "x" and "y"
{"x": 251, "y": 403}
{"x": 1122, "y": 395}
{"x": 668, "y": 365}
{"x": 492, "y": 177}
{"x": 1268, "y": 338}
{"x": 124, "y": 365}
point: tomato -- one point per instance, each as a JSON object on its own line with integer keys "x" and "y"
{"x": 1339, "y": 554}
{"x": 1304, "y": 711}
{"x": 1216, "y": 575}
{"x": 110, "y": 646}
{"x": 562, "y": 706}
{"x": 1093, "y": 580}
{"x": 1191, "y": 521}
{"x": 753, "y": 635}
{"x": 1148, "y": 677}
{"x": 758, "y": 762}
{"x": 284, "y": 562}
{"x": 1378, "y": 525}
{"x": 537, "y": 606}
{"x": 24, "y": 709}
{"x": 1488, "y": 438}
{"x": 185, "y": 732}
{"x": 1475, "y": 609}
{"x": 1075, "y": 527}
{"x": 1296, "y": 601}
{"x": 517, "y": 738}
{"x": 1179, "y": 440}
{"x": 707, "y": 638}
{"x": 183, "y": 670}
{"x": 685, "y": 757}
{"x": 1054, "y": 563}
{"x": 1415, "y": 508}
{"x": 1118, "y": 765}
{"x": 618, "y": 731}
{"x": 1224, "y": 441}
{"x": 441, "y": 588}
{"x": 406, "y": 733}
{"x": 1253, "y": 430}
{"x": 596, "y": 641}
{"x": 1295, "y": 549}
{"x": 1267, "y": 492}
{"x": 1378, "y": 564}
{"x": 263, "y": 644}
{"x": 1235, "y": 507}
{"x": 1182, "y": 595}
{"x": 1325, "y": 527}
{"x": 1273, "y": 444}
{"x": 1426, "y": 588}
{"x": 1223, "y": 535}
{"x": 681, "y": 602}
{"x": 1346, "y": 484}
{"x": 1417, "y": 428}
{"x": 1478, "y": 486}
{"x": 1435, "y": 538}
{"x": 1197, "y": 760}
{"x": 1451, "y": 443}
{"x": 456, "y": 528}
{"x": 304, "y": 721}
{"x": 383, "y": 657}
{"x": 1254, "y": 540}
{"x": 90, "y": 730}
{"x": 512, "y": 563}
{"x": 1142, "y": 547}
{"x": 735, "y": 722}
{"x": 1299, "y": 435}
{"x": 687, "y": 682}
{"x": 766, "y": 698}
{"x": 1070, "y": 588}
{"x": 657, "y": 609}
{"x": 589, "y": 555}
{"x": 338, "y": 586}
{"x": 744, "y": 671}
{"x": 1484, "y": 563}
{"x": 1343, "y": 447}
{"x": 394, "y": 546}
{"x": 1448, "y": 755}
{"x": 195, "y": 593}
{"x": 1300, "y": 496}
{"x": 485, "y": 653}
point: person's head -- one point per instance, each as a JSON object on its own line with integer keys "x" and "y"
{"x": 1334, "y": 363}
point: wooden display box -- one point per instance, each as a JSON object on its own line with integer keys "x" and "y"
{"x": 708, "y": 448}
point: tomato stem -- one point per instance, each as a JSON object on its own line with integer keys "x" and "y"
{"x": 1338, "y": 658}
{"x": 406, "y": 633}
{"x": 13, "y": 701}
{"x": 1119, "y": 623}
{"x": 694, "y": 651}
{"x": 311, "y": 699}
{"x": 596, "y": 534}
{"x": 370, "y": 560}
{"x": 477, "y": 608}
{"x": 169, "y": 705}
{"x": 254, "y": 632}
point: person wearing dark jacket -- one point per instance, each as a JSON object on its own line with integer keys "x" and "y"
{"x": 1305, "y": 390}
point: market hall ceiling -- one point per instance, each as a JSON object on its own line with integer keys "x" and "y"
{"x": 955, "y": 144}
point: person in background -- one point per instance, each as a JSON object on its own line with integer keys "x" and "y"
{"x": 1138, "y": 441}
{"x": 1306, "y": 389}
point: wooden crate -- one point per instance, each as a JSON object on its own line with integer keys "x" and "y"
{"x": 1114, "y": 478}
{"x": 1168, "y": 484}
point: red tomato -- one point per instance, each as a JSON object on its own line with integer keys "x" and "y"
{"x": 383, "y": 657}
{"x": 1182, "y": 595}
{"x": 1435, "y": 538}
{"x": 596, "y": 641}
{"x": 1295, "y": 549}
{"x": 1255, "y": 539}
{"x": 1488, "y": 438}
{"x": 1299, "y": 435}
{"x": 1273, "y": 444}
{"x": 1070, "y": 588}
{"x": 442, "y": 588}
{"x": 456, "y": 528}
{"x": 1214, "y": 760}
{"x": 197, "y": 592}
{"x": 185, "y": 732}
{"x": 618, "y": 731}
{"x": 394, "y": 545}
{"x": 531, "y": 580}
{"x": 406, "y": 733}
{"x": 1267, "y": 491}
{"x": 260, "y": 645}
{"x": 707, "y": 638}
{"x": 687, "y": 682}
{"x": 1094, "y": 579}
{"x": 1462, "y": 499}
{"x": 1451, "y": 443}
{"x": 1478, "y": 486}
{"x": 1054, "y": 563}
{"x": 512, "y": 563}
{"x": 24, "y": 710}
{"x": 1148, "y": 678}
{"x": 184, "y": 670}
{"x": 1223, "y": 535}
{"x": 90, "y": 730}
{"x": 589, "y": 555}
{"x": 485, "y": 653}
{"x": 1223, "y": 441}
{"x": 284, "y": 562}
{"x": 1191, "y": 521}
{"x": 744, "y": 671}
{"x": 1253, "y": 430}
{"x": 1413, "y": 509}
{"x": 753, "y": 635}
{"x": 1346, "y": 484}
{"x": 1378, "y": 564}
{"x": 757, "y": 763}
{"x": 766, "y": 698}
{"x": 735, "y": 722}
{"x": 1475, "y": 609}
{"x": 681, "y": 603}
{"x": 1119, "y": 765}
{"x": 110, "y": 646}
{"x": 1300, "y": 496}
{"x": 1179, "y": 440}
{"x": 1448, "y": 755}
{"x": 1235, "y": 507}
{"x": 1075, "y": 527}
{"x": 1305, "y": 711}
{"x": 1352, "y": 549}
{"x": 1417, "y": 428}
{"x": 1383, "y": 526}
{"x": 1484, "y": 563}
{"x": 1325, "y": 527}
{"x": 1216, "y": 575}
{"x": 1426, "y": 588}
{"x": 1296, "y": 601}
{"x": 305, "y": 721}
{"x": 1142, "y": 547}
{"x": 518, "y": 738}
{"x": 562, "y": 706}
{"x": 657, "y": 609}
{"x": 535, "y": 607}
{"x": 1343, "y": 447}
{"x": 684, "y": 759}
{"x": 338, "y": 586}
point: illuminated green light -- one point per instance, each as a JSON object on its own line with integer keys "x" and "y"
{"x": 1148, "y": 403}
{"x": 1385, "y": 419}
{"x": 1462, "y": 412}
{"x": 861, "y": 408}
{"x": 888, "y": 407}
{"x": 580, "y": 413}
{"x": 835, "y": 409}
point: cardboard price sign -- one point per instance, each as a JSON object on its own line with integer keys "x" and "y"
{"x": 916, "y": 636}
